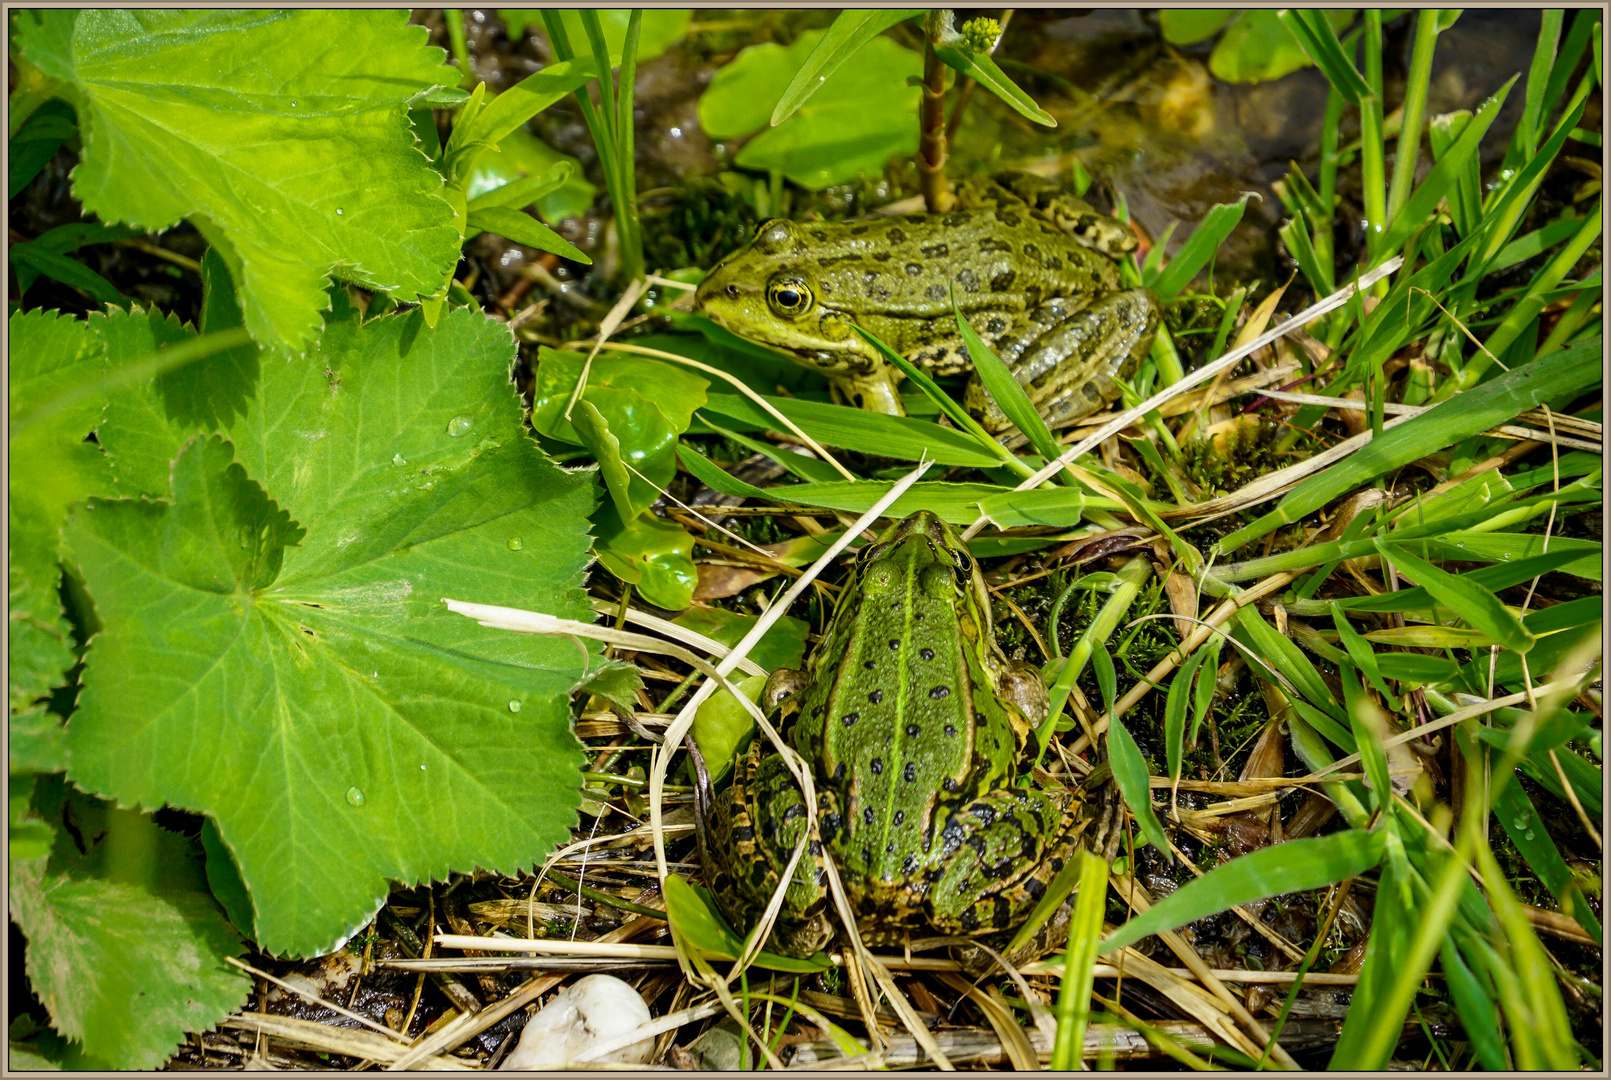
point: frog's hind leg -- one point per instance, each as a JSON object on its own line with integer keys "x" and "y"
{"x": 1056, "y": 204}
{"x": 756, "y": 824}
{"x": 1070, "y": 359}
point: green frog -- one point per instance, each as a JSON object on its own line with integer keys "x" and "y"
{"x": 918, "y": 731}
{"x": 1031, "y": 266}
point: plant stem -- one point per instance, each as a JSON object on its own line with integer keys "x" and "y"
{"x": 931, "y": 149}
{"x": 1372, "y": 151}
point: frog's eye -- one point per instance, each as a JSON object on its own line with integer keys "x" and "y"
{"x": 789, "y": 296}
{"x": 963, "y": 560}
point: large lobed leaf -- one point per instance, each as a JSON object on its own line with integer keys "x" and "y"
{"x": 282, "y": 134}
{"x": 275, "y": 651}
{"x": 126, "y": 946}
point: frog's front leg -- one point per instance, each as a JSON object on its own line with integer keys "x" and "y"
{"x": 875, "y": 390}
{"x": 1070, "y": 356}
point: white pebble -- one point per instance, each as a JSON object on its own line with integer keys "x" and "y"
{"x": 591, "y": 1011}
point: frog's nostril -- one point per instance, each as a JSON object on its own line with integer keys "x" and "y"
{"x": 732, "y": 290}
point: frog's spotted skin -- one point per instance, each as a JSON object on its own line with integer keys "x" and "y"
{"x": 915, "y": 726}
{"x": 1030, "y": 266}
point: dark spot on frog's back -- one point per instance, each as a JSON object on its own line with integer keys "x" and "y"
{"x": 968, "y": 280}
{"x": 935, "y": 292}
{"x": 1008, "y": 218}
{"x": 1052, "y": 262}
{"x": 913, "y": 270}
{"x": 989, "y": 246}
{"x": 995, "y": 325}
{"x": 857, "y": 230}
{"x": 895, "y": 236}
{"x": 936, "y": 251}
{"x": 875, "y": 696}
{"x": 1032, "y": 251}
{"x": 881, "y": 256}
{"x": 1003, "y": 281}
{"x": 955, "y": 220}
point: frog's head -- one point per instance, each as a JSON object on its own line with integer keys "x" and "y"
{"x": 924, "y": 547}
{"x": 769, "y": 292}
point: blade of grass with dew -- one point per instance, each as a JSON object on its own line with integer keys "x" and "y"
{"x": 1408, "y": 151}
{"x": 1476, "y": 605}
{"x": 956, "y": 413}
{"x": 1293, "y": 866}
{"x": 1130, "y": 773}
{"x": 1007, "y": 392}
{"x": 1557, "y": 375}
{"x": 1199, "y": 248}
{"x": 1441, "y": 180}
{"x": 1512, "y": 547}
{"x": 851, "y": 30}
{"x": 875, "y": 433}
{"x": 1533, "y": 842}
{"x": 1079, "y": 965}
{"x": 1465, "y": 201}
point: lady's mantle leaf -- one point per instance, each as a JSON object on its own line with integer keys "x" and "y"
{"x": 282, "y": 134}
{"x": 51, "y": 465}
{"x": 278, "y": 616}
{"x": 126, "y": 946}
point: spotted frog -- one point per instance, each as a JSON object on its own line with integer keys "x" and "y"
{"x": 1032, "y": 267}
{"x": 918, "y": 730}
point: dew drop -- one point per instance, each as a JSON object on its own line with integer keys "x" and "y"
{"x": 516, "y": 543}
{"x": 355, "y": 797}
{"x": 422, "y": 768}
{"x": 399, "y": 459}
{"x": 514, "y": 706}
{"x": 1521, "y": 821}
{"x": 460, "y": 426}
{"x": 1528, "y": 835}
{"x": 340, "y": 212}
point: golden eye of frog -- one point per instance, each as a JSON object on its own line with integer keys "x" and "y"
{"x": 1030, "y": 266}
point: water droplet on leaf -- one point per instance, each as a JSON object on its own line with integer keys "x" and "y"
{"x": 460, "y": 426}
{"x": 355, "y": 797}
{"x": 514, "y": 706}
{"x": 399, "y": 459}
{"x": 515, "y": 543}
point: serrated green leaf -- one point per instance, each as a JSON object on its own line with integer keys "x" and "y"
{"x": 51, "y": 466}
{"x": 1281, "y": 868}
{"x": 126, "y": 946}
{"x": 655, "y": 556}
{"x": 283, "y": 135}
{"x": 523, "y": 229}
{"x": 1130, "y": 771}
{"x": 850, "y": 32}
{"x": 338, "y": 704}
{"x": 861, "y": 116}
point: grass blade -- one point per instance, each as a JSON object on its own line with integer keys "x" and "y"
{"x": 1006, "y": 390}
{"x": 839, "y": 425}
{"x": 1480, "y": 608}
{"x": 1496, "y": 402}
{"x": 1074, "y": 995}
{"x": 1409, "y": 139}
{"x": 1130, "y": 772}
{"x": 849, "y": 32}
{"x": 522, "y": 228}
{"x": 1199, "y": 248}
{"x": 1317, "y": 38}
{"x": 1281, "y": 868}
{"x": 983, "y": 70}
